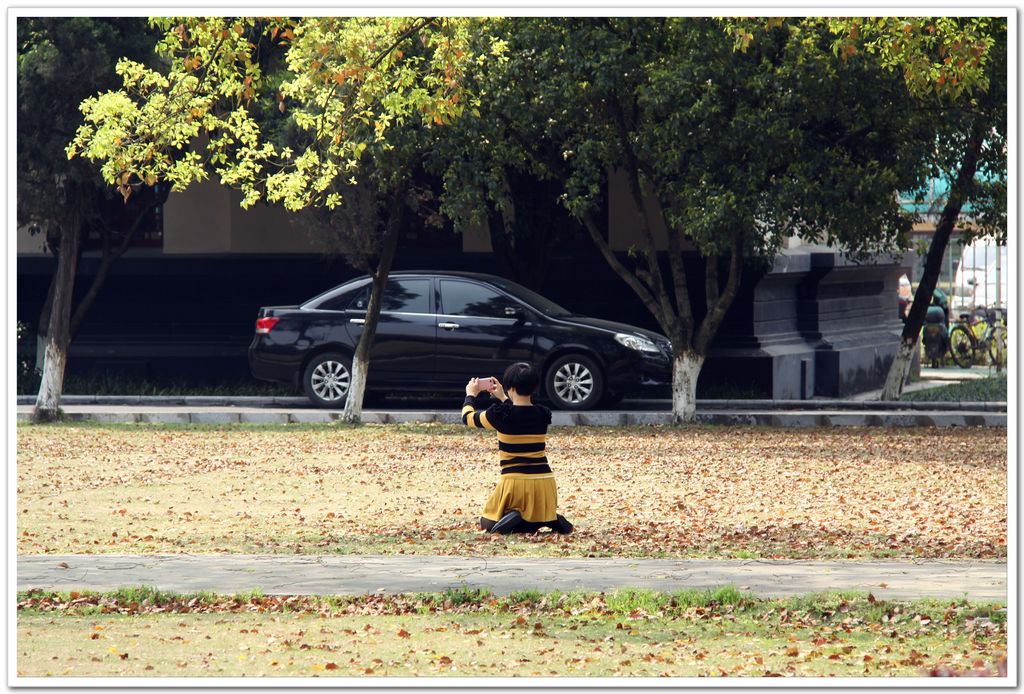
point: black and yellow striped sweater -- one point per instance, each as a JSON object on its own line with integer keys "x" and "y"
{"x": 522, "y": 430}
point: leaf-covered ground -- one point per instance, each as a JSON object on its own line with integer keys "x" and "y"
{"x": 621, "y": 634}
{"x": 643, "y": 491}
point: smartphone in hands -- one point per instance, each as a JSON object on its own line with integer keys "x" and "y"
{"x": 485, "y": 384}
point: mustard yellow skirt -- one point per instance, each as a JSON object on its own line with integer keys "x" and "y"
{"x": 536, "y": 499}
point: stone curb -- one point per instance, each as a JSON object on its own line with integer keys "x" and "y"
{"x": 363, "y": 574}
{"x": 257, "y": 401}
{"x": 210, "y": 415}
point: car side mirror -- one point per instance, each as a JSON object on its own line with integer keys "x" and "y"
{"x": 513, "y": 312}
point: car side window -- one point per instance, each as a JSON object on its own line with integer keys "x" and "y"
{"x": 400, "y": 296}
{"x": 467, "y": 299}
{"x": 336, "y": 303}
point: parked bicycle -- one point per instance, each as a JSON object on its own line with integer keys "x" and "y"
{"x": 983, "y": 331}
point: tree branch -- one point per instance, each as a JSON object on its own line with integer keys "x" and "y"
{"x": 411, "y": 31}
{"x": 709, "y": 326}
{"x": 711, "y": 282}
{"x": 633, "y": 174}
{"x": 109, "y": 256}
{"x": 622, "y": 271}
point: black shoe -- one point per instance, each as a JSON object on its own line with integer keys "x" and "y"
{"x": 509, "y": 521}
{"x": 561, "y": 525}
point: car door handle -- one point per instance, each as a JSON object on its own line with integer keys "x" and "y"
{"x": 357, "y": 321}
{"x": 448, "y": 326}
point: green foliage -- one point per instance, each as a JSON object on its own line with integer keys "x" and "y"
{"x": 464, "y": 596}
{"x": 942, "y": 56}
{"x": 954, "y": 67}
{"x": 725, "y": 595}
{"x": 147, "y": 595}
{"x": 354, "y": 88}
{"x": 62, "y": 60}
{"x": 945, "y": 57}
{"x": 249, "y": 595}
{"x": 627, "y": 600}
{"x": 712, "y": 133}
{"x": 529, "y": 596}
{"x": 736, "y": 151}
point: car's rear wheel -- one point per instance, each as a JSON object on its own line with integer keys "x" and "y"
{"x": 574, "y": 382}
{"x": 327, "y": 379}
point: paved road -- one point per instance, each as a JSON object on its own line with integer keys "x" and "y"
{"x": 358, "y": 575}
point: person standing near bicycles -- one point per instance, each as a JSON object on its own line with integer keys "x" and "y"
{"x": 526, "y": 498}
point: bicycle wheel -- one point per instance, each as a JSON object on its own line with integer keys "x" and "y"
{"x": 961, "y": 347}
{"x": 997, "y": 346}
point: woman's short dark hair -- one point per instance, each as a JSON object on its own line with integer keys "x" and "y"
{"x": 521, "y": 376}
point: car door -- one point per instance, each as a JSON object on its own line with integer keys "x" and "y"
{"x": 403, "y": 347}
{"x": 480, "y": 331}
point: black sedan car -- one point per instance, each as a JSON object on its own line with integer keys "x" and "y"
{"x": 438, "y": 329}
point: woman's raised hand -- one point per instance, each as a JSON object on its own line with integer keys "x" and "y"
{"x": 497, "y": 390}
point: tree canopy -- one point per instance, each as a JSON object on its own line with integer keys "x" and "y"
{"x": 725, "y": 152}
{"x": 731, "y": 135}
{"x": 61, "y": 61}
{"x": 348, "y": 86}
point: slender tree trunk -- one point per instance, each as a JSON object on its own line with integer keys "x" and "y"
{"x": 58, "y": 335}
{"x": 110, "y": 255}
{"x": 43, "y": 325}
{"x": 686, "y": 367}
{"x": 900, "y": 366}
{"x": 353, "y": 411}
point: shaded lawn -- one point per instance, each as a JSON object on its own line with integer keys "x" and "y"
{"x": 981, "y": 390}
{"x": 418, "y": 489}
{"x": 621, "y": 634}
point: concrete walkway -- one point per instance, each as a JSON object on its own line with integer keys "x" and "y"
{"x": 975, "y": 414}
{"x": 858, "y": 410}
{"x": 358, "y": 575}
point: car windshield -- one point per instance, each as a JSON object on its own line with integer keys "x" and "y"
{"x": 545, "y": 306}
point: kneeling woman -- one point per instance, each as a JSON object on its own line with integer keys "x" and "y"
{"x": 525, "y": 499}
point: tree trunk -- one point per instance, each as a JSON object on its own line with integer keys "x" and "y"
{"x": 958, "y": 192}
{"x": 353, "y": 411}
{"x": 898, "y": 370}
{"x": 502, "y": 247}
{"x": 43, "y": 325}
{"x": 111, "y": 254}
{"x": 58, "y": 335}
{"x": 685, "y": 370}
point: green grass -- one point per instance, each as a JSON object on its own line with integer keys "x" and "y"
{"x": 992, "y": 389}
{"x": 727, "y": 598}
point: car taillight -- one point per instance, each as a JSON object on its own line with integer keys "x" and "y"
{"x": 265, "y": 325}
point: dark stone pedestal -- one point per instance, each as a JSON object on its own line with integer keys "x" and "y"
{"x": 815, "y": 324}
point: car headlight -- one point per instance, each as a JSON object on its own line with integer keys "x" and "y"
{"x": 640, "y": 344}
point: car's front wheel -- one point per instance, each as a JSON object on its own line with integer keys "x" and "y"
{"x": 327, "y": 379}
{"x": 574, "y": 382}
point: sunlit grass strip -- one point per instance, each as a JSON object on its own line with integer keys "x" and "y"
{"x": 843, "y": 605}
